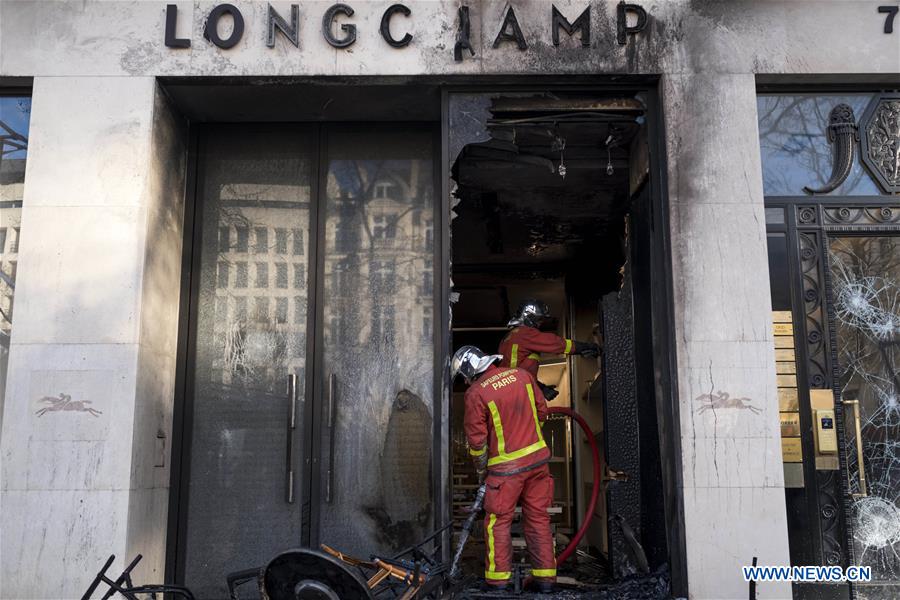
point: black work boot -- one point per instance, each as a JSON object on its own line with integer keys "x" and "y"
{"x": 545, "y": 587}
{"x": 495, "y": 587}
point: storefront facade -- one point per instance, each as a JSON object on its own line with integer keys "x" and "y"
{"x": 183, "y": 214}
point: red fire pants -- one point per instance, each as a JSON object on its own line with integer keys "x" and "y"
{"x": 533, "y": 489}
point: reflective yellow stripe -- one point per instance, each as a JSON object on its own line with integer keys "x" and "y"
{"x": 514, "y": 355}
{"x": 543, "y": 572}
{"x": 498, "y": 429}
{"x": 568, "y": 346}
{"x": 534, "y": 356}
{"x": 502, "y": 456}
{"x": 497, "y": 575}
{"x": 537, "y": 422}
{"x": 475, "y": 452}
{"x": 490, "y": 535}
{"x": 517, "y": 454}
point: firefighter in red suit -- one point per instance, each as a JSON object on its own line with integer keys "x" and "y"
{"x": 504, "y": 409}
{"x": 523, "y": 345}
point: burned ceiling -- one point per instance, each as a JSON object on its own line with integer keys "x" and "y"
{"x": 550, "y": 186}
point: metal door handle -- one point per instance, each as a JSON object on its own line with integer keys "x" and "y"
{"x": 863, "y": 492}
{"x": 292, "y": 424}
{"x": 332, "y": 417}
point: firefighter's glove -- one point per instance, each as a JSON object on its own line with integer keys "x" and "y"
{"x": 587, "y": 350}
{"x": 481, "y": 466}
{"x": 549, "y": 391}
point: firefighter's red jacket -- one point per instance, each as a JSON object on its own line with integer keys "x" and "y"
{"x": 522, "y": 347}
{"x": 504, "y": 412}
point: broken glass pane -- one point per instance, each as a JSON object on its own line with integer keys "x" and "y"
{"x": 865, "y": 274}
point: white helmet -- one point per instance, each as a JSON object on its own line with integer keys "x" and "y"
{"x": 470, "y": 362}
{"x": 531, "y": 312}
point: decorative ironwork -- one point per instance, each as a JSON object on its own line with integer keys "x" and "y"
{"x": 828, "y": 490}
{"x": 862, "y": 215}
{"x": 842, "y": 135}
{"x": 880, "y": 141}
{"x": 807, "y": 215}
{"x": 810, "y": 262}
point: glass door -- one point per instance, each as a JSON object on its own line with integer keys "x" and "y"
{"x": 376, "y": 362}
{"x": 314, "y": 255}
{"x": 245, "y": 414}
{"x": 865, "y": 297}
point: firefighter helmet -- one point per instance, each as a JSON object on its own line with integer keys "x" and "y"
{"x": 532, "y": 313}
{"x": 470, "y": 362}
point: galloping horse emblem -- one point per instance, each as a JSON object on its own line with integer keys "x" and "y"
{"x": 724, "y": 400}
{"x": 64, "y": 402}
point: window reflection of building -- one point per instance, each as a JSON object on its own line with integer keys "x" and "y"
{"x": 261, "y": 294}
{"x": 381, "y": 236}
{"x": 15, "y": 112}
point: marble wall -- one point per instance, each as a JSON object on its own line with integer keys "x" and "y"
{"x": 733, "y": 489}
{"x": 92, "y": 353}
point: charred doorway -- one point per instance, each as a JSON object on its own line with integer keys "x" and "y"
{"x": 550, "y": 200}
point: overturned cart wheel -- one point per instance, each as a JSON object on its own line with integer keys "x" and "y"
{"x": 304, "y": 574}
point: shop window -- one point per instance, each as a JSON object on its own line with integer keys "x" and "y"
{"x": 796, "y": 153}
{"x": 15, "y": 115}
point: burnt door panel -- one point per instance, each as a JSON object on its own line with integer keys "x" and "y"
{"x": 245, "y": 420}
{"x": 376, "y": 394}
{"x": 865, "y": 299}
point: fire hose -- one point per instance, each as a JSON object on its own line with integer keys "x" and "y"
{"x": 588, "y": 514}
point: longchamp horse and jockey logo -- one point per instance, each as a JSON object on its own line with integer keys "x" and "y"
{"x": 724, "y": 400}
{"x": 65, "y": 403}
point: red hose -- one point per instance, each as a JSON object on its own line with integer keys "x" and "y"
{"x": 595, "y": 490}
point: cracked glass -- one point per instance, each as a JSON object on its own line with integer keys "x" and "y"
{"x": 865, "y": 290}
{"x": 250, "y": 337}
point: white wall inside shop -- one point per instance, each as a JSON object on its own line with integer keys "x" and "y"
{"x": 97, "y": 319}
{"x": 99, "y": 268}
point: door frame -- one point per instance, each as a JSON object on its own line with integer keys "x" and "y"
{"x": 662, "y": 306}
{"x": 661, "y": 301}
